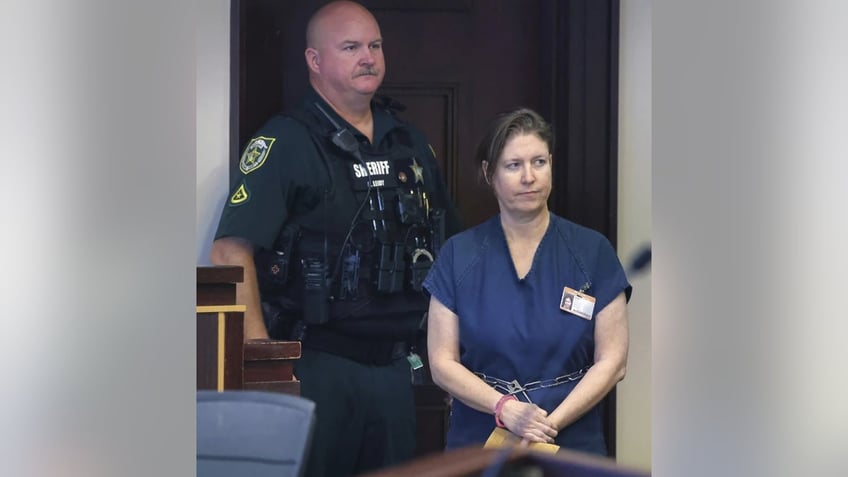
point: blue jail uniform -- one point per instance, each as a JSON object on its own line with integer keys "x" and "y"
{"x": 512, "y": 328}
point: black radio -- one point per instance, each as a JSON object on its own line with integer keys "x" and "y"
{"x": 315, "y": 292}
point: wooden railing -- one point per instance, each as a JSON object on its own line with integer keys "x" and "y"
{"x": 224, "y": 359}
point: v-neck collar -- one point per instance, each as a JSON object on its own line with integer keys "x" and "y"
{"x": 536, "y": 253}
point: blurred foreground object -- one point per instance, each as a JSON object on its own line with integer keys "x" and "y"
{"x": 513, "y": 462}
{"x": 641, "y": 261}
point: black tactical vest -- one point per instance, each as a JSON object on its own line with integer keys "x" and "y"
{"x": 364, "y": 249}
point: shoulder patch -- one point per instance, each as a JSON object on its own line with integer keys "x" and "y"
{"x": 240, "y": 196}
{"x": 255, "y": 153}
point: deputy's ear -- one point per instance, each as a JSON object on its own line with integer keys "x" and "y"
{"x": 485, "y": 166}
{"x": 313, "y": 60}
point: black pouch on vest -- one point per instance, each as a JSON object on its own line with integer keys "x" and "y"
{"x": 273, "y": 266}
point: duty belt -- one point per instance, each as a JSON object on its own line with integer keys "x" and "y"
{"x": 513, "y": 387}
{"x": 362, "y": 350}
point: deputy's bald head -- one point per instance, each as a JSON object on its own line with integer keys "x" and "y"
{"x": 329, "y": 17}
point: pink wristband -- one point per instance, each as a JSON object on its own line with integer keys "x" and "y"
{"x": 499, "y": 407}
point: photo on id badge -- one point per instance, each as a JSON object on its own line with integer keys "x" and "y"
{"x": 577, "y": 303}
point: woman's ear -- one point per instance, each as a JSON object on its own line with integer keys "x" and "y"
{"x": 485, "y": 165}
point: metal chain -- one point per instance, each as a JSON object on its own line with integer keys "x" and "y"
{"x": 513, "y": 387}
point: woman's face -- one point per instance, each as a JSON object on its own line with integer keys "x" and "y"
{"x": 522, "y": 177}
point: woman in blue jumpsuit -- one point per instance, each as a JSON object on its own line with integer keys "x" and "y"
{"x": 499, "y": 339}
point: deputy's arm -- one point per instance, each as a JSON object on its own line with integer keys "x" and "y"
{"x": 611, "y": 341}
{"x": 237, "y": 251}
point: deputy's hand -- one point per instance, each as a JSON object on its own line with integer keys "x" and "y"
{"x": 528, "y": 421}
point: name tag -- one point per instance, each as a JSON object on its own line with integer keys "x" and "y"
{"x": 380, "y": 173}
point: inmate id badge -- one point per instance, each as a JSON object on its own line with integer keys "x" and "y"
{"x": 577, "y": 303}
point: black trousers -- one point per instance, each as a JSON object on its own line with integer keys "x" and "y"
{"x": 365, "y": 414}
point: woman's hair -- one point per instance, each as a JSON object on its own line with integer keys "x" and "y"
{"x": 503, "y": 127}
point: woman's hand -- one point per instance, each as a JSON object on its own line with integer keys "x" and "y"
{"x": 528, "y": 421}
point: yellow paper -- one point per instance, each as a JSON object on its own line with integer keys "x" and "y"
{"x": 503, "y": 438}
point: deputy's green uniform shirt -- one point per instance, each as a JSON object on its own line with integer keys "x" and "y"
{"x": 281, "y": 174}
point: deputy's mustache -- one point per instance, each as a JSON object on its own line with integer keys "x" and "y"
{"x": 366, "y": 72}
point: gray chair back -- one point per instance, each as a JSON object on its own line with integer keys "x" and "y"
{"x": 252, "y": 433}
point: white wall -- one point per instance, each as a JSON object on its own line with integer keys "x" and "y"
{"x": 213, "y": 109}
{"x": 634, "y": 393}
{"x": 634, "y": 227}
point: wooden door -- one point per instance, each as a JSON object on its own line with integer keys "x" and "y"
{"x": 454, "y": 64}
